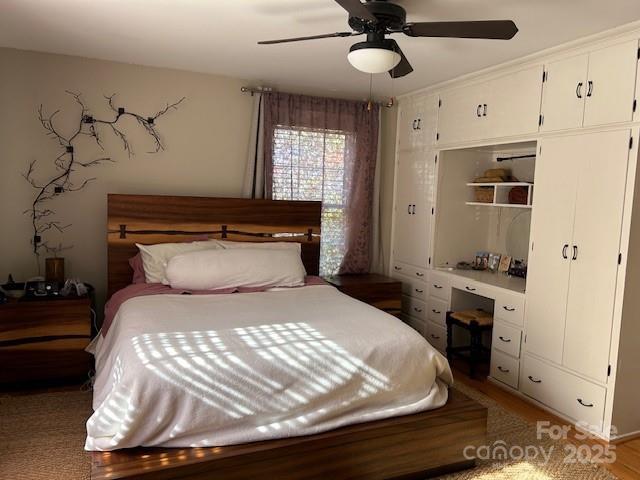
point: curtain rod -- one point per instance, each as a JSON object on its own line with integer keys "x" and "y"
{"x": 255, "y": 90}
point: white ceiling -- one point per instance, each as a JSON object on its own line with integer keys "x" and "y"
{"x": 219, "y": 36}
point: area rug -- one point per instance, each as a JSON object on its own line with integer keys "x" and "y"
{"x": 42, "y": 437}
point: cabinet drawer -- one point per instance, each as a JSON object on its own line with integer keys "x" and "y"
{"x": 578, "y": 399}
{"x": 415, "y": 323}
{"x": 436, "y": 336}
{"x": 440, "y": 286}
{"x": 470, "y": 286}
{"x": 504, "y": 368}
{"x": 409, "y": 271}
{"x": 438, "y": 311}
{"x": 510, "y": 308}
{"x": 412, "y": 287}
{"x": 414, "y": 307}
{"x": 506, "y": 339}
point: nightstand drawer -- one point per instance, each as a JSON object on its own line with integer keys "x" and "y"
{"x": 44, "y": 340}
{"x": 59, "y": 318}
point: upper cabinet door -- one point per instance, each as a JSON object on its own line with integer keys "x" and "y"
{"x": 611, "y": 84}
{"x": 407, "y": 124}
{"x": 460, "y": 118}
{"x": 551, "y": 233}
{"x": 513, "y": 103}
{"x": 418, "y": 122}
{"x": 564, "y": 92}
{"x": 426, "y": 110}
{"x": 602, "y": 178}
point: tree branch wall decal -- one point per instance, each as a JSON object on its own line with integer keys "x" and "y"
{"x": 67, "y": 162}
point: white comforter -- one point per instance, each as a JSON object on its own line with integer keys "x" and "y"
{"x": 213, "y": 370}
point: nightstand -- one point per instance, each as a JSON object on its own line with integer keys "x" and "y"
{"x": 43, "y": 340}
{"x": 379, "y": 291}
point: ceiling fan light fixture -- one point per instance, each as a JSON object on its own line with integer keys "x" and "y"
{"x": 371, "y": 57}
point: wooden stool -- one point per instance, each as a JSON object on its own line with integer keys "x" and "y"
{"x": 475, "y": 322}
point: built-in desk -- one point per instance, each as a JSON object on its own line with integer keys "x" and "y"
{"x": 502, "y": 294}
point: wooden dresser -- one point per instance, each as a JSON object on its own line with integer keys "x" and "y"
{"x": 379, "y": 291}
{"x": 44, "y": 340}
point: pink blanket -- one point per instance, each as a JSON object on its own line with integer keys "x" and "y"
{"x": 145, "y": 289}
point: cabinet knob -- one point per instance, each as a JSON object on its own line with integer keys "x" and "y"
{"x": 505, "y": 340}
{"x": 503, "y": 370}
{"x": 420, "y": 274}
{"x": 509, "y": 309}
{"x": 478, "y": 111}
{"x": 484, "y": 110}
{"x": 395, "y": 267}
{"x": 419, "y": 310}
{"x": 419, "y": 126}
{"x": 589, "y": 405}
{"x": 590, "y": 91}
{"x": 419, "y": 290}
{"x": 437, "y": 312}
{"x": 471, "y": 289}
{"x": 579, "y": 90}
{"x": 437, "y": 286}
{"x": 534, "y": 380}
{"x": 564, "y": 251}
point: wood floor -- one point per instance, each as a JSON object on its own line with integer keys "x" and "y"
{"x": 627, "y": 464}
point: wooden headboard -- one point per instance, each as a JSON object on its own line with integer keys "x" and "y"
{"x": 150, "y": 219}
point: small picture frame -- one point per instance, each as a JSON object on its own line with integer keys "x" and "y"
{"x": 494, "y": 262}
{"x": 482, "y": 261}
{"x": 505, "y": 263}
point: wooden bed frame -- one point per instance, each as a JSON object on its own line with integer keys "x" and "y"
{"x": 409, "y": 446}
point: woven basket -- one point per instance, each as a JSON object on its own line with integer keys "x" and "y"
{"x": 518, "y": 195}
{"x": 484, "y": 194}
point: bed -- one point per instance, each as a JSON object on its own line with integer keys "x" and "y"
{"x": 298, "y": 382}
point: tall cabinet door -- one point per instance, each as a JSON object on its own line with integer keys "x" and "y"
{"x": 564, "y": 92}
{"x": 611, "y": 84}
{"x": 413, "y": 209}
{"x": 407, "y": 124}
{"x": 602, "y": 176}
{"x": 551, "y": 233}
{"x": 403, "y": 218}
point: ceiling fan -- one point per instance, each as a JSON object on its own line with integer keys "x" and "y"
{"x": 378, "y": 18}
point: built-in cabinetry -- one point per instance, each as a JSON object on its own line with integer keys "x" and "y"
{"x": 569, "y": 339}
{"x": 501, "y": 107}
{"x": 590, "y": 89}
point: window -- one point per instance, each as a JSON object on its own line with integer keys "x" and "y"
{"x": 308, "y": 164}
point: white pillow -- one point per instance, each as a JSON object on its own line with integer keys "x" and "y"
{"x": 236, "y": 267}
{"x": 262, "y": 245}
{"x": 155, "y": 257}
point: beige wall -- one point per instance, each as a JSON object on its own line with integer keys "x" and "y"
{"x": 206, "y": 144}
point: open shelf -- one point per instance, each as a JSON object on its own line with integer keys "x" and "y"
{"x": 501, "y": 194}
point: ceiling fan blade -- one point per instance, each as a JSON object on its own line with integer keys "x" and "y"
{"x": 312, "y": 37}
{"x": 492, "y": 29}
{"x": 357, "y": 9}
{"x": 404, "y": 67}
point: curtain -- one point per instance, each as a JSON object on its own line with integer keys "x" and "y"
{"x": 360, "y": 122}
{"x": 253, "y": 185}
